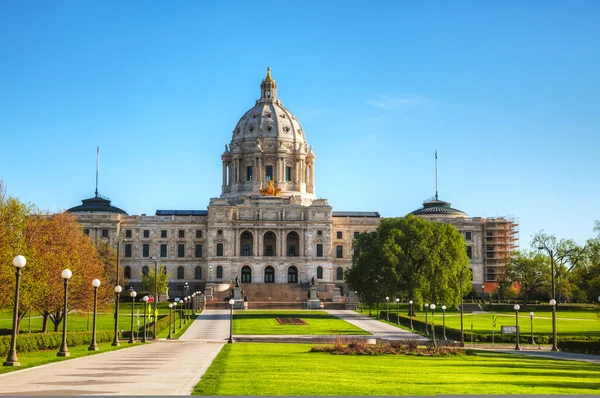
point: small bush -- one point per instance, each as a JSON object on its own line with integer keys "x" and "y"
{"x": 162, "y": 324}
{"x": 393, "y": 348}
{"x": 583, "y": 346}
{"x": 48, "y": 341}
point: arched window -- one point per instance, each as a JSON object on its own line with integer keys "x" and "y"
{"x": 292, "y": 275}
{"x": 246, "y": 241}
{"x": 270, "y": 243}
{"x": 164, "y": 270}
{"x": 293, "y": 242}
{"x": 219, "y": 272}
{"x": 144, "y": 270}
{"x": 339, "y": 274}
{"x": 127, "y": 272}
{"x": 269, "y": 275}
{"x": 319, "y": 272}
{"x": 246, "y": 274}
{"x": 180, "y": 273}
{"x": 198, "y": 273}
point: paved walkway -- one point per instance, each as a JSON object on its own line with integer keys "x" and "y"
{"x": 166, "y": 367}
{"x": 570, "y": 356}
{"x": 379, "y": 330}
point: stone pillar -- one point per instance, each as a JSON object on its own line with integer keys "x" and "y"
{"x": 224, "y": 174}
{"x": 313, "y": 302}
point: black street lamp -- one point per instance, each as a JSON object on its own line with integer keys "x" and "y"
{"x": 180, "y": 305}
{"x": 410, "y": 312}
{"x": 426, "y": 323}
{"x": 553, "y": 300}
{"x": 397, "y": 311}
{"x": 170, "y": 336}
{"x": 64, "y": 350}
{"x": 387, "y": 310}
{"x": 531, "y": 319}
{"x": 12, "y": 360}
{"x": 189, "y": 308}
{"x": 174, "y": 317}
{"x": 145, "y": 301}
{"x": 118, "y": 290}
{"x": 132, "y": 294}
{"x": 231, "y": 302}
{"x": 432, "y": 307}
{"x": 93, "y": 345}
{"x": 517, "y": 307}
{"x": 156, "y": 295}
{"x": 444, "y": 321}
{"x": 184, "y": 310}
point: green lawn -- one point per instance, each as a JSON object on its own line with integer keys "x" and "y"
{"x": 265, "y": 322}
{"x": 581, "y": 323}
{"x": 289, "y": 369}
{"x": 38, "y": 358}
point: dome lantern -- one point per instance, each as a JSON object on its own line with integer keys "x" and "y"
{"x": 268, "y": 89}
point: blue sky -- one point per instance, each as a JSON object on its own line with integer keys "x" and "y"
{"x": 506, "y": 91}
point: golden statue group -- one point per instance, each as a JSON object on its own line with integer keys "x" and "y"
{"x": 270, "y": 190}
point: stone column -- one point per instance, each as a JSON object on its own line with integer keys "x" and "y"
{"x": 224, "y": 174}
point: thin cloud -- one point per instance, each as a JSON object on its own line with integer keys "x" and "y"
{"x": 390, "y": 102}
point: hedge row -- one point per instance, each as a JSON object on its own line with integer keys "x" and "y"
{"x": 47, "y": 341}
{"x": 161, "y": 325}
{"x": 588, "y": 347}
{"x": 454, "y": 334}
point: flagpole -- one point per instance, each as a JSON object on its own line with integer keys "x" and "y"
{"x": 97, "y": 161}
{"x": 436, "y": 176}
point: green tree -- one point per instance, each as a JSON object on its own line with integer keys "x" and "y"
{"x": 531, "y": 271}
{"x": 418, "y": 259}
{"x": 161, "y": 282}
{"x": 586, "y": 277}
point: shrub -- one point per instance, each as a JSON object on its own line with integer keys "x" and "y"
{"x": 162, "y": 324}
{"x": 584, "y": 346}
{"x": 47, "y": 341}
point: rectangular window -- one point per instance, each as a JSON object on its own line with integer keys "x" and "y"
{"x": 269, "y": 173}
{"x": 128, "y": 233}
{"x": 339, "y": 234}
{"x": 246, "y": 250}
{"x": 469, "y": 251}
{"x": 163, "y": 250}
{"x": 319, "y": 250}
{"x": 490, "y": 255}
{"x": 105, "y": 233}
{"x": 198, "y": 250}
{"x": 292, "y": 250}
{"x": 182, "y": 233}
{"x": 219, "y": 249}
{"x": 249, "y": 173}
{"x": 288, "y": 174}
{"x": 146, "y": 233}
{"x": 268, "y": 250}
{"x": 339, "y": 251}
{"x": 180, "y": 250}
{"x": 145, "y": 250}
{"x": 198, "y": 234}
{"x": 163, "y": 233}
{"x": 128, "y": 250}
{"x": 356, "y": 233}
{"x": 468, "y": 235}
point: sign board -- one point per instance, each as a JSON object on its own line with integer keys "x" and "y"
{"x": 508, "y": 329}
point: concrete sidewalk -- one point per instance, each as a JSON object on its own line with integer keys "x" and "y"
{"x": 165, "y": 367}
{"x": 379, "y": 330}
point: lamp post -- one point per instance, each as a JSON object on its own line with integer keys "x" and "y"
{"x": 180, "y": 304}
{"x": 156, "y": 295}
{"x": 93, "y": 345}
{"x": 231, "y": 302}
{"x": 145, "y": 300}
{"x": 462, "y": 329}
{"x": 64, "y": 350}
{"x": 118, "y": 290}
{"x": 12, "y": 360}
{"x": 183, "y": 311}
{"x": 553, "y": 300}
{"x": 432, "y": 307}
{"x": 174, "y": 317}
{"x": 517, "y": 307}
{"x": 397, "y": 311}
{"x": 188, "y": 307}
{"x": 410, "y": 312}
{"x": 193, "y": 303}
{"x": 387, "y": 310}
{"x": 426, "y": 323}
{"x": 444, "y": 321}
{"x": 170, "y": 336}
{"x": 531, "y": 319}
{"x": 132, "y": 294}
{"x": 554, "y": 340}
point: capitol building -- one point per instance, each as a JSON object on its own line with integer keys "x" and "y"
{"x": 268, "y": 226}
